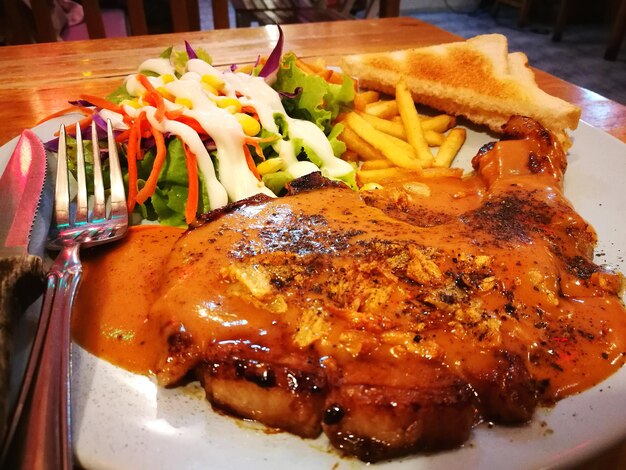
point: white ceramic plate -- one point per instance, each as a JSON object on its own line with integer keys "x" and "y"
{"x": 124, "y": 421}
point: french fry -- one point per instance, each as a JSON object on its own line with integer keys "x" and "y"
{"x": 319, "y": 68}
{"x": 412, "y": 124}
{"x": 335, "y": 77}
{"x": 440, "y": 123}
{"x": 384, "y": 109}
{"x": 434, "y": 139}
{"x": 359, "y": 146}
{"x": 450, "y": 147}
{"x": 376, "y": 164}
{"x": 302, "y": 65}
{"x": 395, "y": 129}
{"x": 379, "y": 176}
{"x": 350, "y": 156}
{"x": 364, "y": 98}
{"x": 389, "y": 146}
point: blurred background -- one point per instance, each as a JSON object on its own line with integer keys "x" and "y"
{"x": 577, "y": 40}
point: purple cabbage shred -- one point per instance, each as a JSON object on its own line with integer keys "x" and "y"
{"x": 52, "y": 145}
{"x": 81, "y": 103}
{"x": 190, "y": 52}
{"x": 294, "y": 94}
{"x": 273, "y": 61}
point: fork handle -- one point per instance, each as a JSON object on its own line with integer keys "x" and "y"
{"x": 46, "y": 423}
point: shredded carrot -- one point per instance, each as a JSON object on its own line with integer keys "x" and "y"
{"x": 191, "y": 122}
{"x": 158, "y": 99}
{"x": 148, "y": 98}
{"x": 257, "y": 148}
{"x": 83, "y": 123}
{"x": 191, "y": 207}
{"x": 122, "y": 136}
{"x": 174, "y": 114}
{"x": 250, "y": 162}
{"x": 248, "y": 109}
{"x": 159, "y": 160}
{"x": 131, "y": 159}
{"x": 70, "y": 109}
{"x": 102, "y": 103}
{"x": 128, "y": 120}
{"x": 262, "y": 139}
{"x": 139, "y": 126}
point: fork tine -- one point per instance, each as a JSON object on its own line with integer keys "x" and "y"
{"x": 82, "y": 207}
{"x": 99, "y": 205}
{"x": 118, "y": 196}
{"x": 61, "y": 192}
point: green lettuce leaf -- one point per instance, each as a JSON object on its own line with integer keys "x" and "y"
{"x": 338, "y": 146}
{"x": 168, "y": 201}
{"x": 119, "y": 94}
{"x": 179, "y": 59}
{"x": 319, "y": 101}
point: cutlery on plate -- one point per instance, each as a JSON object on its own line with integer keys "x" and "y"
{"x": 21, "y": 271}
{"x": 45, "y": 397}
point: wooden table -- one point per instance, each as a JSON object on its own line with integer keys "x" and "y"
{"x": 36, "y": 80}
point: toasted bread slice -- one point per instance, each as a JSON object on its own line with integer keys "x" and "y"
{"x": 477, "y": 78}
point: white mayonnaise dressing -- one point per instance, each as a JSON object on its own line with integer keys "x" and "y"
{"x": 316, "y": 140}
{"x": 229, "y": 139}
{"x": 159, "y": 65}
{"x": 294, "y": 167}
{"x": 117, "y": 120}
{"x": 133, "y": 86}
{"x": 217, "y": 193}
{"x": 267, "y": 103}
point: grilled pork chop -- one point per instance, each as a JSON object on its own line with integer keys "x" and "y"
{"x": 394, "y": 321}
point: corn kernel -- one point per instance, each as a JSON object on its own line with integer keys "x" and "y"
{"x": 209, "y": 88}
{"x": 167, "y": 78}
{"x": 249, "y": 125}
{"x": 270, "y": 166}
{"x": 231, "y": 104}
{"x": 132, "y": 103}
{"x": 213, "y": 80}
{"x": 248, "y": 68}
{"x": 184, "y": 102}
{"x": 165, "y": 93}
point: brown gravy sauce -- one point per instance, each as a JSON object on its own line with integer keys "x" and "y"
{"x": 111, "y": 315}
{"x": 119, "y": 285}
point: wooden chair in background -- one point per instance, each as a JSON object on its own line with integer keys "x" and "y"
{"x": 617, "y": 33}
{"x": 98, "y": 22}
{"x": 524, "y": 9}
{"x": 618, "y": 23}
{"x": 617, "y": 29}
{"x": 298, "y": 11}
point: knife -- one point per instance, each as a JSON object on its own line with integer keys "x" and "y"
{"x": 21, "y": 273}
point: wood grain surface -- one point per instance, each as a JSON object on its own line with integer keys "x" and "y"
{"x": 37, "y": 80}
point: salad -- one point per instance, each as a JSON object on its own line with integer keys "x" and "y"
{"x": 193, "y": 138}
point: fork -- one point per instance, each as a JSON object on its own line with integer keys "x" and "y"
{"x": 46, "y": 384}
